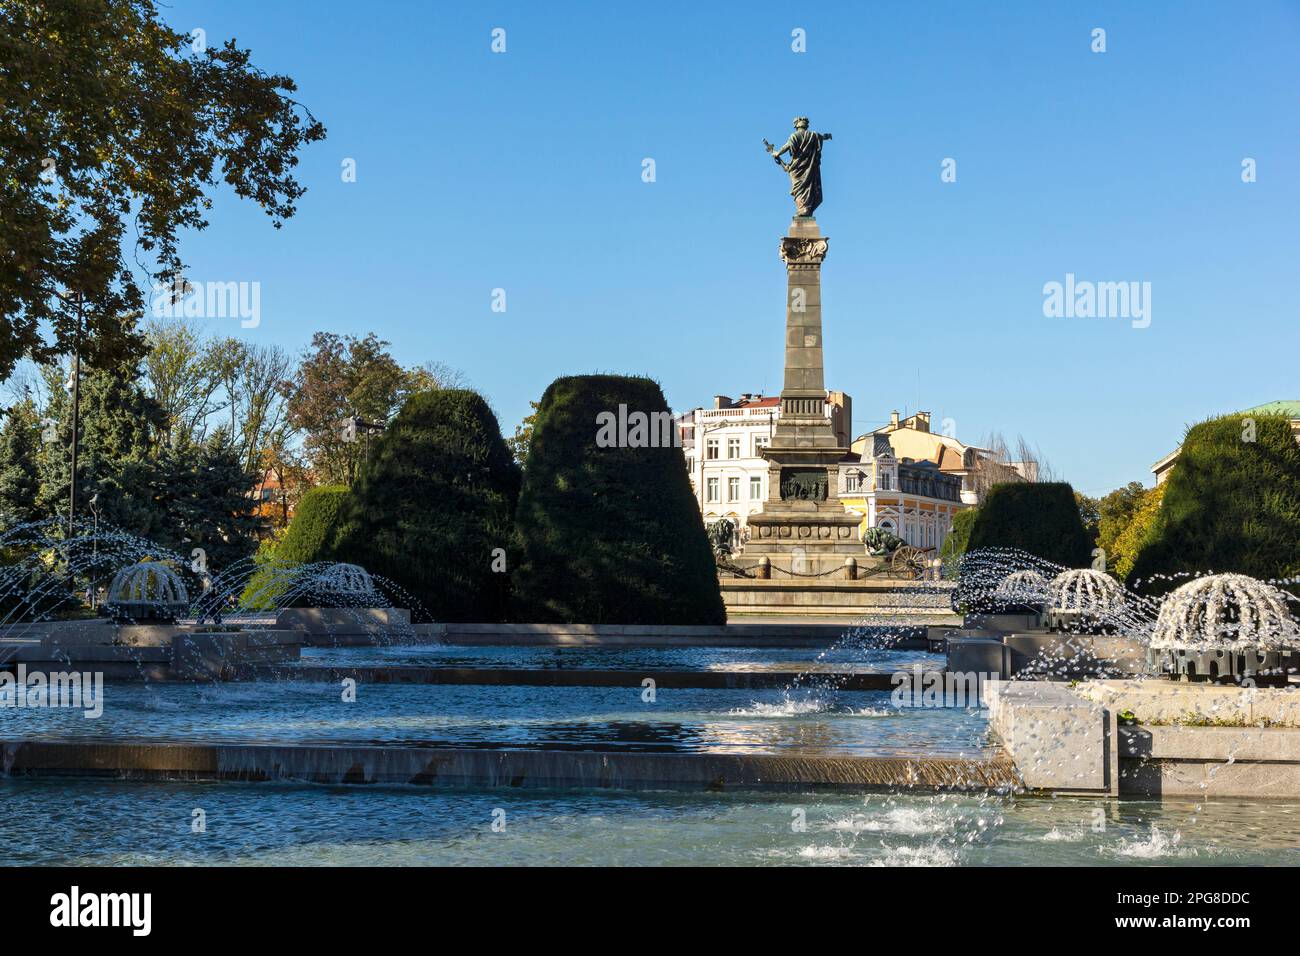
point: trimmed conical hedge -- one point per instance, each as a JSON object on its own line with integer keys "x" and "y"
{"x": 1041, "y": 518}
{"x": 610, "y": 535}
{"x": 433, "y": 504}
{"x": 309, "y": 538}
{"x": 1231, "y": 503}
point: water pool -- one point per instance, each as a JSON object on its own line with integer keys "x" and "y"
{"x": 100, "y": 822}
{"x": 807, "y": 721}
{"x": 841, "y": 658}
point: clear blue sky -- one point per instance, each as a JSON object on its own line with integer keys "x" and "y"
{"x": 523, "y": 171}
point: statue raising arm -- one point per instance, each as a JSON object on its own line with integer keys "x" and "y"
{"x": 805, "y": 150}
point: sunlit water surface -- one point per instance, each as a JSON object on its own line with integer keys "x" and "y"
{"x": 804, "y": 720}
{"x": 847, "y": 656}
{"x": 64, "y": 822}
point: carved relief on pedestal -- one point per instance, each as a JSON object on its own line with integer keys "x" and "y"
{"x": 802, "y": 251}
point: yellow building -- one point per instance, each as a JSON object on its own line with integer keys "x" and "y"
{"x": 913, "y": 499}
{"x": 978, "y": 468}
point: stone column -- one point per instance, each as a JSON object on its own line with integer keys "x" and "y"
{"x": 811, "y": 531}
{"x": 803, "y": 422}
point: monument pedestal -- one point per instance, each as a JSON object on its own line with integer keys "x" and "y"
{"x": 803, "y": 528}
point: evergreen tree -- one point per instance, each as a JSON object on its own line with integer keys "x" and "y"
{"x": 117, "y": 420}
{"x": 19, "y": 476}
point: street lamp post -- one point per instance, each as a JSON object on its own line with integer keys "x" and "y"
{"x": 76, "y": 407}
{"x": 94, "y": 546}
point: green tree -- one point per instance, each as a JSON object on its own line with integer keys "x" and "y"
{"x": 343, "y": 376}
{"x": 432, "y": 508}
{"x": 1137, "y": 530}
{"x": 315, "y": 524}
{"x": 113, "y": 125}
{"x": 1231, "y": 503}
{"x": 523, "y": 436}
{"x": 118, "y": 422}
{"x": 1115, "y": 511}
{"x": 609, "y": 535}
{"x": 19, "y": 477}
{"x": 199, "y": 498}
{"x": 1089, "y": 514}
{"x": 309, "y": 538}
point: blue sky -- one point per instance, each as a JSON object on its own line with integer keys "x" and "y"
{"x": 522, "y": 171}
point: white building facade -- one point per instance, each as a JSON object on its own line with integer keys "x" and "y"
{"x": 724, "y": 446}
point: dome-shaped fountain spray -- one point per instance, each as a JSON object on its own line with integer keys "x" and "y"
{"x": 1225, "y": 610}
{"x": 350, "y": 582}
{"x": 1084, "y": 598}
{"x": 1023, "y": 587}
{"x": 146, "y": 592}
{"x": 1227, "y": 626}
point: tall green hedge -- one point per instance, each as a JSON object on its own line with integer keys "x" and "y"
{"x": 432, "y": 505}
{"x": 1040, "y": 518}
{"x": 310, "y": 535}
{"x": 1231, "y": 503}
{"x": 609, "y": 535}
{"x": 309, "y": 538}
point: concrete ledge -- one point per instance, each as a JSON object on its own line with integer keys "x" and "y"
{"x": 1207, "y": 762}
{"x": 654, "y": 635}
{"x": 1163, "y": 702}
{"x": 157, "y": 653}
{"x": 334, "y": 627}
{"x": 1075, "y": 655}
{"x": 1057, "y": 740}
{"x": 451, "y": 767}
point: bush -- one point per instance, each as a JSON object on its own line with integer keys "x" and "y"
{"x": 433, "y": 504}
{"x": 1040, "y": 518}
{"x": 609, "y": 535}
{"x": 310, "y": 536}
{"x": 1230, "y": 504}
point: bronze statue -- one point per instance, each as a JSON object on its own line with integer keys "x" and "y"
{"x": 805, "y": 166}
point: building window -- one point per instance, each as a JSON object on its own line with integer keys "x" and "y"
{"x": 733, "y": 447}
{"x": 733, "y": 489}
{"x": 884, "y": 481}
{"x": 690, "y": 464}
{"x": 712, "y": 486}
{"x": 711, "y": 449}
{"x": 755, "y": 487}
{"x": 760, "y": 442}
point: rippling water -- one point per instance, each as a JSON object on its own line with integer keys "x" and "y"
{"x": 847, "y": 657}
{"x": 49, "y": 821}
{"x": 809, "y": 720}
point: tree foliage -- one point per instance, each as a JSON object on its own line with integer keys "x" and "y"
{"x": 1136, "y": 532}
{"x": 113, "y": 128}
{"x": 954, "y": 545}
{"x": 343, "y": 376}
{"x": 1114, "y": 512}
{"x": 315, "y": 524}
{"x": 19, "y": 477}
